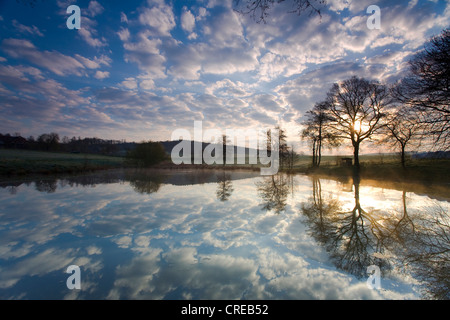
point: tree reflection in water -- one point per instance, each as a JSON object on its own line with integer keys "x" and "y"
{"x": 351, "y": 237}
{"x": 224, "y": 186}
{"x": 417, "y": 243}
{"x": 48, "y": 185}
{"x": 274, "y": 191}
{"x": 421, "y": 240}
{"x": 144, "y": 181}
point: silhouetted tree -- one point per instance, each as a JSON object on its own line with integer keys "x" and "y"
{"x": 283, "y": 148}
{"x": 402, "y": 129}
{"x": 427, "y": 88}
{"x": 225, "y": 142}
{"x": 146, "y": 154}
{"x": 49, "y": 141}
{"x": 316, "y": 130}
{"x": 357, "y": 107}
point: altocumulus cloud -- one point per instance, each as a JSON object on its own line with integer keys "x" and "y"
{"x": 151, "y": 67}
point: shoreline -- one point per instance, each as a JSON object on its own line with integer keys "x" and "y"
{"x": 17, "y": 164}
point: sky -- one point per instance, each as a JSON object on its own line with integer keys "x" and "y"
{"x": 140, "y": 69}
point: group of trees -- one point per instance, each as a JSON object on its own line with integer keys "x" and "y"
{"x": 415, "y": 110}
{"x": 52, "y": 142}
{"x": 146, "y": 154}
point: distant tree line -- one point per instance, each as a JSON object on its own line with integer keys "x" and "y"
{"x": 414, "y": 112}
{"x": 52, "y": 142}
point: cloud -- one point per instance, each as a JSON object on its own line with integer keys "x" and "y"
{"x": 226, "y": 87}
{"x": 272, "y": 72}
{"x": 88, "y": 63}
{"x": 87, "y": 36}
{"x": 101, "y": 75}
{"x": 187, "y": 20}
{"x": 147, "y": 84}
{"x": 159, "y": 18}
{"x": 89, "y": 33}
{"x": 186, "y": 61}
{"x": 94, "y": 9}
{"x": 129, "y": 83}
{"x": 145, "y": 52}
{"x": 52, "y": 60}
{"x": 33, "y": 30}
{"x": 124, "y": 34}
{"x": 303, "y": 92}
{"x": 123, "y": 17}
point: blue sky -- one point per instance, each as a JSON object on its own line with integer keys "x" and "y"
{"x": 141, "y": 69}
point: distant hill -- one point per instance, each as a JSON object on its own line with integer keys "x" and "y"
{"x": 118, "y": 148}
{"x": 432, "y": 155}
{"x": 169, "y": 145}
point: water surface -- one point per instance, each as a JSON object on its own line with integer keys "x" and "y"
{"x": 221, "y": 235}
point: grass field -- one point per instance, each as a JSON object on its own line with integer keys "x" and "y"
{"x": 20, "y": 162}
{"x": 379, "y": 166}
{"x": 382, "y": 166}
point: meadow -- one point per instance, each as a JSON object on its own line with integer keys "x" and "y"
{"x": 373, "y": 166}
{"x": 25, "y": 162}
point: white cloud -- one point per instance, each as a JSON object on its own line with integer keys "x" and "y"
{"x": 145, "y": 52}
{"x": 187, "y": 20}
{"x": 87, "y": 35}
{"x": 101, "y": 75}
{"x": 124, "y": 34}
{"x": 52, "y": 60}
{"x": 147, "y": 84}
{"x": 227, "y": 87}
{"x": 90, "y": 64}
{"x": 159, "y": 18}
{"x": 129, "y": 83}
{"x": 94, "y": 8}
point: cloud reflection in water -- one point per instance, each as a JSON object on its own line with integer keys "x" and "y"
{"x": 177, "y": 236}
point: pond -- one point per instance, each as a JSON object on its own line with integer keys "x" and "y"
{"x": 222, "y": 235}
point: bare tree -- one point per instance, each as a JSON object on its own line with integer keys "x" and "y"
{"x": 317, "y": 132}
{"x": 225, "y": 142}
{"x": 427, "y": 88}
{"x": 357, "y": 107}
{"x": 282, "y": 146}
{"x": 259, "y": 9}
{"x": 402, "y": 129}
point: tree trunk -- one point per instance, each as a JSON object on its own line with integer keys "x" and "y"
{"x": 319, "y": 155}
{"x": 356, "y": 154}
{"x": 319, "y": 147}
{"x": 314, "y": 154}
{"x": 403, "y": 156}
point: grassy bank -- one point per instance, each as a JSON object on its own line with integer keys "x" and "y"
{"x": 24, "y": 162}
{"x": 386, "y": 167}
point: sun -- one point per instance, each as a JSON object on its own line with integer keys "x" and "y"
{"x": 357, "y": 126}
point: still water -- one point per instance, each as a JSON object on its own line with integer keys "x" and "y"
{"x": 222, "y": 235}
